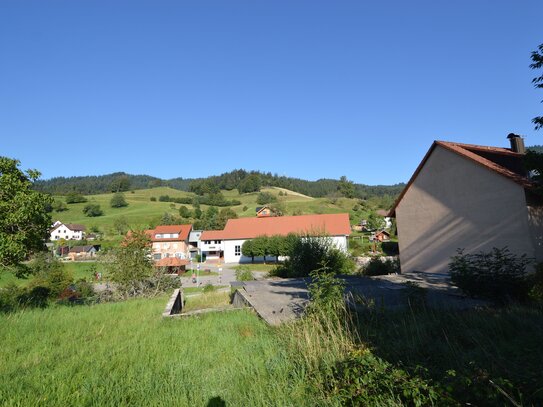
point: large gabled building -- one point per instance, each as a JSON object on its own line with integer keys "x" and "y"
{"x": 471, "y": 197}
{"x": 170, "y": 241}
{"x": 227, "y": 243}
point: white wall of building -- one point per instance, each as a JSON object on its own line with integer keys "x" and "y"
{"x": 63, "y": 232}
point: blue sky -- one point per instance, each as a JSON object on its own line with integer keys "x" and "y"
{"x": 310, "y": 89}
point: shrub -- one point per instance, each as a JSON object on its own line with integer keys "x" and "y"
{"x": 74, "y": 197}
{"x": 364, "y": 379}
{"x": 153, "y": 199}
{"x": 164, "y": 198}
{"x": 326, "y": 291}
{"x": 118, "y": 201}
{"x": 380, "y": 267}
{"x": 264, "y": 198}
{"x": 59, "y": 206}
{"x": 306, "y": 254}
{"x": 208, "y": 288}
{"x": 92, "y": 210}
{"x": 244, "y": 274}
{"x": 498, "y": 275}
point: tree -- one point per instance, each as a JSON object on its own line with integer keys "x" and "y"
{"x": 59, "y": 206}
{"x": 119, "y": 184}
{"x": 24, "y": 219}
{"x": 346, "y": 187}
{"x": 537, "y": 58}
{"x": 75, "y": 197}
{"x": 184, "y": 212}
{"x": 251, "y": 183}
{"x": 92, "y": 210}
{"x": 131, "y": 262}
{"x": 247, "y": 249}
{"x": 118, "y": 200}
{"x": 224, "y": 215}
{"x": 120, "y": 224}
{"x": 264, "y": 198}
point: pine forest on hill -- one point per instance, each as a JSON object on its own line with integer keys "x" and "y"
{"x": 236, "y": 179}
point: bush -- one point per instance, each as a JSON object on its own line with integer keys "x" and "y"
{"x": 118, "y": 201}
{"x": 307, "y": 254}
{"x": 74, "y": 197}
{"x": 364, "y": 379}
{"x": 244, "y": 274}
{"x": 164, "y": 198}
{"x": 92, "y": 210}
{"x": 379, "y": 267}
{"x": 326, "y": 291}
{"x": 264, "y": 198}
{"x": 209, "y": 288}
{"x": 498, "y": 275}
{"x": 153, "y": 199}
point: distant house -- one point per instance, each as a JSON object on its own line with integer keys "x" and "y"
{"x": 382, "y": 236}
{"x": 170, "y": 241}
{"x": 263, "y": 211}
{"x": 228, "y": 242}
{"x": 471, "y": 197}
{"x": 83, "y": 252}
{"x": 172, "y": 264}
{"x": 68, "y": 231}
{"x": 386, "y": 218}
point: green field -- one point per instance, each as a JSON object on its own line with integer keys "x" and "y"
{"x": 126, "y": 354}
{"x": 141, "y": 211}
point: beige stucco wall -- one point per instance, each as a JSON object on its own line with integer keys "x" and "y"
{"x": 455, "y": 203}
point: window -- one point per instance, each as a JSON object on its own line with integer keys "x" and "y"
{"x": 237, "y": 250}
{"x": 207, "y": 241}
{"x": 217, "y": 242}
{"x": 156, "y": 256}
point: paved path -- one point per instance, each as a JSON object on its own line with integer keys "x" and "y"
{"x": 281, "y": 300}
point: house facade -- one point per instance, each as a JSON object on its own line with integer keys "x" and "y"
{"x": 170, "y": 241}
{"x": 87, "y": 252}
{"x": 469, "y": 197}
{"x": 237, "y": 231}
{"x": 68, "y": 231}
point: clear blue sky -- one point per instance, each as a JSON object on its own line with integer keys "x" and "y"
{"x": 310, "y": 89}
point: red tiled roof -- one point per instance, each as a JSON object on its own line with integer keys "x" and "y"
{"x": 498, "y": 159}
{"x": 171, "y": 262}
{"x": 212, "y": 235}
{"x": 248, "y": 228}
{"x": 183, "y": 231}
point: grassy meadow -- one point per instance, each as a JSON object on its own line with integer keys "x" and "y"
{"x": 141, "y": 210}
{"x": 126, "y": 354}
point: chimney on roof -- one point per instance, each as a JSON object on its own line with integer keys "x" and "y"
{"x": 517, "y": 143}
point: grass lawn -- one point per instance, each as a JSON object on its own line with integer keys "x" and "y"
{"x": 126, "y": 354}
{"x": 256, "y": 267}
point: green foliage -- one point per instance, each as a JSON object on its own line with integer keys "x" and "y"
{"x": 307, "y": 254}
{"x": 92, "y": 210}
{"x": 121, "y": 225}
{"x": 205, "y": 186}
{"x": 223, "y": 216}
{"x": 264, "y": 198}
{"x": 131, "y": 262}
{"x": 244, "y": 274}
{"x": 326, "y": 291}
{"x": 59, "y": 206}
{"x": 375, "y": 222}
{"x": 209, "y": 288}
{"x": 184, "y": 212}
{"x": 251, "y": 183}
{"x": 498, "y": 275}
{"x": 363, "y": 379}
{"x": 24, "y": 217}
{"x": 50, "y": 273}
{"x": 120, "y": 184}
{"x": 153, "y": 199}
{"x": 380, "y": 267}
{"x": 537, "y": 63}
{"x": 346, "y": 187}
{"x": 118, "y": 200}
{"x": 14, "y": 298}
{"x": 75, "y": 197}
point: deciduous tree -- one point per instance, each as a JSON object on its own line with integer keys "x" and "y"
{"x": 537, "y": 63}
{"x": 24, "y": 219}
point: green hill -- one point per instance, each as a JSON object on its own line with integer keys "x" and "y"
{"x": 142, "y": 212}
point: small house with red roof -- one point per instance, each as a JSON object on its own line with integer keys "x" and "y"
{"x": 170, "y": 241}
{"x": 230, "y": 240}
{"x": 470, "y": 197}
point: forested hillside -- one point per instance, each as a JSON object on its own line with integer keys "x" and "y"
{"x": 244, "y": 181}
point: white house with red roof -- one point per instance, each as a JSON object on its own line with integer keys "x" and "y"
{"x": 465, "y": 196}
{"x": 230, "y": 240}
{"x": 170, "y": 241}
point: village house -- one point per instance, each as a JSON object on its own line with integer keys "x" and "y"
{"x": 170, "y": 241}
{"x": 87, "y": 252}
{"x": 68, "y": 231}
{"x": 470, "y": 197}
{"x": 227, "y": 243}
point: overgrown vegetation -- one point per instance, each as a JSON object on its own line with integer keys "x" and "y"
{"x": 378, "y": 266}
{"x": 498, "y": 275}
{"x": 244, "y": 274}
